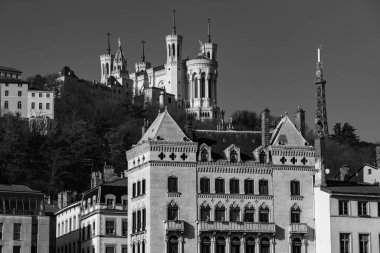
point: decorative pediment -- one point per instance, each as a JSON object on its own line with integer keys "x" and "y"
{"x": 264, "y": 206}
{"x": 172, "y": 203}
{"x": 220, "y": 204}
{"x": 234, "y": 205}
{"x": 249, "y": 205}
{"x": 232, "y": 153}
{"x": 205, "y": 204}
{"x": 295, "y": 206}
{"x": 204, "y": 153}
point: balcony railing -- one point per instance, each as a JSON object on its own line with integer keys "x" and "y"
{"x": 300, "y": 228}
{"x": 172, "y": 225}
{"x": 237, "y": 226}
{"x": 101, "y": 206}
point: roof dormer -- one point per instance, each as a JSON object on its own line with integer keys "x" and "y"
{"x": 232, "y": 154}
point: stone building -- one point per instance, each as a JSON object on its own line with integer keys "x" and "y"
{"x": 68, "y": 228}
{"x": 24, "y": 226}
{"x": 180, "y": 83}
{"x": 221, "y": 191}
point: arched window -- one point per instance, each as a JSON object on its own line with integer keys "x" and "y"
{"x": 233, "y": 156}
{"x": 196, "y": 95}
{"x": 264, "y": 246}
{"x": 220, "y": 213}
{"x": 220, "y": 245}
{"x": 172, "y": 211}
{"x": 295, "y": 214}
{"x": 203, "y": 85}
{"x": 205, "y": 213}
{"x": 296, "y": 245}
{"x": 234, "y": 213}
{"x": 206, "y": 243}
{"x": 6, "y": 105}
{"x": 249, "y": 214}
{"x": 173, "y": 244}
{"x": 107, "y": 68}
{"x": 169, "y": 50}
{"x": 204, "y": 155}
{"x": 262, "y": 157}
{"x": 264, "y": 214}
{"x": 235, "y": 245}
{"x": 19, "y": 105}
{"x": 208, "y": 55}
{"x": 173, "y": 49}
{"x": 250, "y": 245}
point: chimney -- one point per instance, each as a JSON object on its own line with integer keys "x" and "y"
{"x": 378, "y": 155}
{"x": 299, "y": 118}
{"x": 96, "y": 178}
{"x": 343, "y": 172}
{"x": 109, "y": 173}
{"x": 265, "y": 136}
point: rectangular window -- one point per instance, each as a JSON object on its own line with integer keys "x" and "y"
{"x": 74, "y": 222}
{"x": 6, "y": 104}
{"x": 1, "y": 231}
{"x": 40, "y": 106}
{"x": 143, "y": 219}
{"x": 234, "y": 214}
{"x": 110, "y": 202}
{"x": 138, "y": 220}
{"x": 264, "y": 216}
{"x": 263, "y": 187}
{"x": 110, "y": 227}
{"x": 172, "y": 213}
{"x": 70, "y": 225}
{"x": 344, "y": 239}
{"x": 143, "y": 187}
{"x": 40, "y": 95}
{"x": 234, "y": 186}
{"x": 16, "y": 249}
{"x": 48, "y": 95}
{"x": 19, "y": 105}
{"x": 88, "y": 230}
{"x": 205, "y": 185}
{"x": 172, "y": 184}
{"x": 33, "y": 94}
{"x": 110, "y": 249}
{"x": 7, "y": 93}
{"x": 17, "y": 231}
{"x": 19, "y": 93}
{"x": 378, "y": 209}
{"x": 205, "y": 214}
{"x": 362, "y": 208}
{"x": 19, "y": 85}
{"x": 248, "y": 186}
{"x": 138, "y": 188}
{"x": 343, "y": 207}
{"x": 219, "y": 185}
{"x": 124, "y": 228}
{"x": 134, "y": 190}
{"x": 363, "y": 243}
{"x": 47, "y": 106}
{"x": 134, "y": 222}
{"x": 220, "y": 214}
{"x": 295, "y": 216}
{"x": 249, "y": 215}
{"x": 124, "y": 249}
{"x": 294, "y": 188}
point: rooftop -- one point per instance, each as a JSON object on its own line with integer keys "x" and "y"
{"x": 16, "y": 188}
{"x": 351, "y": 188}
{"x": 10, "y": 69}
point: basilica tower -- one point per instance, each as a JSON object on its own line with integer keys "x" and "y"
{"x": 174, "y": 62}
{"x": 119, "y": 63}
{"x": 106, "y": 62}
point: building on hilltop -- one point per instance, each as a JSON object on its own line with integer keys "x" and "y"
{"x": 180, "y": 83}
{"x": 222, "y": 191}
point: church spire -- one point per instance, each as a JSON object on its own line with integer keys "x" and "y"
{"x": 143, "y": 51}
{"x": 208, "y": 31}
{"x": 108, "y": 40}
{"x": 174, "y": 29}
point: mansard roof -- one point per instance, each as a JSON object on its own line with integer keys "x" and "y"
{"x": 9, "y": 69}
{"x": 287, "y": 134}
{"x": 164, "y": 128}
{"x": 247, "y": 141}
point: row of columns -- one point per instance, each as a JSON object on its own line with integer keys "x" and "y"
{"x": 180, "y": 244}
{"x": 195, "y": 88}
{"x": 138, "y": 247}
{"x": 242, "y": 244}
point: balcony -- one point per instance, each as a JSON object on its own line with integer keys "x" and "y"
{"x": 298, "y": 228}
{"x": 171, "y": 225}
{"x": 205, "y": 226}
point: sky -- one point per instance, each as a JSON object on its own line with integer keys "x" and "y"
{"x": 267, "y": 49}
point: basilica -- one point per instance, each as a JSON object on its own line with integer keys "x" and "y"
{"x": 179, "y": 84}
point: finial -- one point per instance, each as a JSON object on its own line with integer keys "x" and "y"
{"x": 209, "y": 31}
{"x": 174, "y": 28}
{"x": 319, "y": 53}
{"x": 143, "y": 51}
{"x": 319, "y": 72}
{"x": 108, "y": 40}
{"x": 119, "y": 42}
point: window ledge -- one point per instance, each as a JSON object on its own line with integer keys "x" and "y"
{"x": 296, "y": 197}
{"x": 174, "y": 194}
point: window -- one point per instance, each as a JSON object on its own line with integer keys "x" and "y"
{"x": 134, "y": 215}
{"x": 17, "y": 231}
{"x": 378, "y": 209}
{"x": 205, "y": 213}
{"x": 40, "y": 95}
{"x": 264, "y": 245}
{"x": 1, "y": 231}
{"x": 344, "y": 243}
{"x": 250, "y": 245}
{"x": 172, "y": 184}
{"x": 369, "y": 171}
{"x": 110, "y": 202}
{"x": 93, "y": 228}
{"x": 7, "y": 93}
{"x": 143, "y": 187}
{"x": 70, "y": 225}
{"x": 295, "y": 215}
{"x": 263, "y": 187}
{"x": 362, "y": 208}
{"x": 138, "y": 220}
{"x": 249, "y": 214}
{"x": 47, "y": 106}
{"x": 343, "y": 207}
{"x": 363, "y": 243}
{"x": 295, "y": 188}
{"x": 110, "y": 249}
{"x": 264, "y": 215}
{"x": 19, "y": 105}
{"x": 296, "y": 245}
{"x": 33, "y": 94}
{"x": 19, "y": 85}
{"x": 220, "y": 213}
{"x": 219, "y": 185}
{"x": 6, "y": 104}
{"x": 143, "y": 220}
{"x": 234, "y": 186}
{"x": 235, "y": 244}
{"x": 204, "y": 155}
{"x": 205, "y": 185}
{"x": 16, "y": 249}
{"x": 110, "y": 227}
{"x": 88, "y": 230}
{"x": 172, "y": 212}
{"x": 48, "y": 95}
{"x": 74, "y": 222}
{"x": 138, "y": 188}
{"x": 124, "y": 249}
{"x": 233, "y": 156}
{"x": 206, "y": 244}
{"x": 134, "y": 190}
{"x": 40, "y": 106}
{"x": 173, "y": 244}
{"x": 19, "y": 93}
{"x": 234, "y": 213}
{"x": 248, "y": 186}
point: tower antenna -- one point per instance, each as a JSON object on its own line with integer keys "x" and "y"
{"x": 174, "y": 28}
{"x": 209, "y": 31}
{"x": 108, "y": 40}
{"x": 143, "y": 51}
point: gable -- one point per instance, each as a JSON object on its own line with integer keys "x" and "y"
{"x": 287, "y": 134}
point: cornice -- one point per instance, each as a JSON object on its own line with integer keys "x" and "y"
{"x": 234, "y": 196}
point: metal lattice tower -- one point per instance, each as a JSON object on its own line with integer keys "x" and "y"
{"x": 321, "y": 127}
